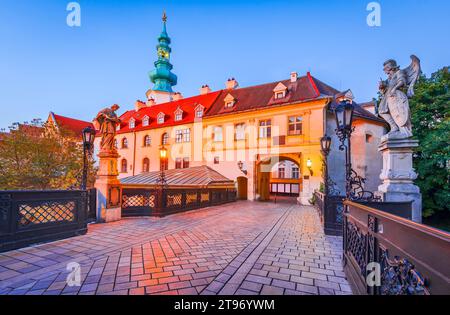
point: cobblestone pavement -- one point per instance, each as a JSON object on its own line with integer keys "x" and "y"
{"x": 238, "y": 248}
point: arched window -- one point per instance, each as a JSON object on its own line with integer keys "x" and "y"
{"x": 146, "y": 165}
{"x": 147, "y": 141}
{"x": 116, "y": 145}
{"x": 124, "y": 166}
{"x": 165, "y": 138}
{"x": 124, "y": 143}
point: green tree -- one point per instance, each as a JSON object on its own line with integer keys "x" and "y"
{"x": 430, "y": 114}
{"x": 35, "y": 156}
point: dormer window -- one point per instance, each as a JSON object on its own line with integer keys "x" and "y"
{"x": 118, "y": 127}
{"x": 229, "y": 101}
{"x": 280, "y": 91}
{"x": 132, "y": 123}
{"x": 145, "y": 121}
{"x": 199, "y": 111}
{"x": 279, "y": 95}
{"x": 160, "y": 118}
{"x": 178, "y": 114}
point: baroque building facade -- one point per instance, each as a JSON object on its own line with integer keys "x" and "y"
{"x": 247, "y": 134}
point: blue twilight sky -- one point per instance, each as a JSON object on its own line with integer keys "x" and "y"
{"x": 47, "y": 66}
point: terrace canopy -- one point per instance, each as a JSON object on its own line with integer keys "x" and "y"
{"x": 194, "y": 177}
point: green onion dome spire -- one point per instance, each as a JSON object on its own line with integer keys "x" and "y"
{"x": 161, "y": 76}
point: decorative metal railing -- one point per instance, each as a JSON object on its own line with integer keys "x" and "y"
{"x": 331, "y": 212}
{"x": 161, "y": 202}
{"x": 385, "y": 254}
{"x": 28, "y": 217}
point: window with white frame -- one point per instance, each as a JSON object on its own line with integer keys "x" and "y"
{"x": 281, "y": 171}
{"x": 132, "y": 123}
{"x": 147, "y": 141}
{"x": 145, "y": 121}
{"x": 295, "y": 125}
{"x": 239, "y": 132}
{"x": 265, "y": 128}
{"x": 279, "y": 95}
{"x": 218, "y": 134}
{"x": 178, "y": 114}
{"x": 187, "y": 135}
{"x": 165, "y": 138}
{"x": 124, "y": 143}
{"x": 295, "y": 172}
{"x": 160, "y": 118}
{"x": 178, "y": 136}
{"x": 229, "y": 104}
{"x": 183, "y": 135}
{"x": 199, "y": 112}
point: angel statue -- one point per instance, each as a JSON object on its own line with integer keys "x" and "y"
{"x": 394, "y": 105}
{"x": 106, "y": 121}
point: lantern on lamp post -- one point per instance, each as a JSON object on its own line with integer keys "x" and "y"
{"x": 88, "y": 134}
{"x": 325, "y": 144}
{"x": 163, "y": 163}
{"x": 344, "y": 129}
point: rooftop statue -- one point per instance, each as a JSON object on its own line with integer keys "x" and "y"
{"x": 394, "y": 105}
{"x": 106, "y": 121}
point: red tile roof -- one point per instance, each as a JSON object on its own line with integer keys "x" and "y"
{"x": 262, "y": 96}
{"x": 71, "y": 124}
{"x": 187, "y": 105}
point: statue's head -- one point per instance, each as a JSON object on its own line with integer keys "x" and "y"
{"x": 390, "y": 66}
{"x": 115, "y": 107}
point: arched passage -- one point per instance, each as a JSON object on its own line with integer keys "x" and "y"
{"x": 278, "y": 176}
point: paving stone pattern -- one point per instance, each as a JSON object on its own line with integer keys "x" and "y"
{"x": 239, "y": 248}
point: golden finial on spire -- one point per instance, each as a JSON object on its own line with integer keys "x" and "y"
{"x": 164, "y": 17}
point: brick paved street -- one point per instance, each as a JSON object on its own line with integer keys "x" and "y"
{"x": 237, "y": 248}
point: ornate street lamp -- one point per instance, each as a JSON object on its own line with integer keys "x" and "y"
{"x": 344, "y": 118}
{"x": 325, "y": 144}
{"x": 354, "y": 189}
{"x": 88, "y": 134}
{"x": 163, "y": 161}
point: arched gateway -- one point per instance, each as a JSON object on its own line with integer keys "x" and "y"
{"x": 271, "y": 180}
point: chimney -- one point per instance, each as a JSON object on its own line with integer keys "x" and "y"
{"x": 231, "y": 84}
{"x": 138, "y": 105}
{"x": 294, "y": 76}
{"x": 151, "y": 102}
{"x": 204, "y": 89}
{"x": 177, "y": 96}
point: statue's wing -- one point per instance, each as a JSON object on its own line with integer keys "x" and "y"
{"x": 412, "y": 73}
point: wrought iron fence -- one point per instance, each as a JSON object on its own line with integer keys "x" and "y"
{"x": 406, "y": 258}
{"x": 161, "y": 202}
{"x": 331, "y": 212}
{"x": 28, "y": 217}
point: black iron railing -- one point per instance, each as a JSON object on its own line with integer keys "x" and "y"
{"x": 331, "y": 212}
{"x": 28, "y": 217}
{"x": 385, "y": 254}
{"x": 157, "y": 202}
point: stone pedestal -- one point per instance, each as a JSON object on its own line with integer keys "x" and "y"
{"x": 108, "y": 188}
{"x": 398, "y": 174}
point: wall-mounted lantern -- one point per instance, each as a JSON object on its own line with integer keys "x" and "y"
{"x": 241, "y": 166}
{"x": 309, "y": 166}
